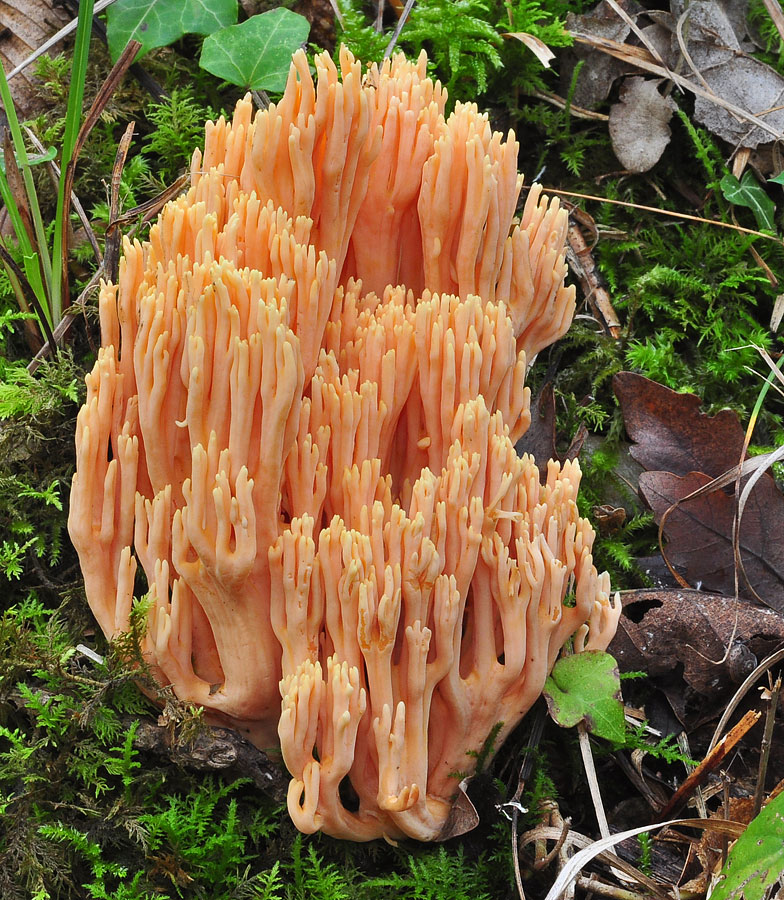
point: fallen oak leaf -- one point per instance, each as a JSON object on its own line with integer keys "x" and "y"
{"x": 699, "y": 533}
{"x": 694, "y": 646}
{"x": 669, "y": 431}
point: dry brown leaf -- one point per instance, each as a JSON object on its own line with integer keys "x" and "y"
{"x": 639, "y": 124}
{"x": 669, "y": 431}
{"x": 680, "y": 635}
{"x": 699, "y": 533}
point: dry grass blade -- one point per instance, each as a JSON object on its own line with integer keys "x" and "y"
{"x": 671, "y": 214}
{"x": 596, "y": 849}
{"x": 577, "y": 111}
{"x": 574, "y": 839}
{"x": 768, "y": 460}
{"x": 755, "y": 466}
{"x": 640, "y": 34}
{"x": 16, "y": 185}
{"x": 776, "y": 15}
{"x": 593, "y": 781}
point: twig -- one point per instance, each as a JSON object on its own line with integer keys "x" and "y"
{"x": 145, "y": 211}
{"x": 399, "y": 27}
{"x": 113, "y": 234}
{"x": 533, "y": 742}
{"x": 61, "y": 329}
{"x": 767, "y": 737}
{"x": 583, "y": 266}
{"x": 683, "y": 746}
{"x": 592, "y": 885}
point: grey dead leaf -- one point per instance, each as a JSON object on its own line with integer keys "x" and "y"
{"x": 639, "y": 124}
{"x": 715, "y": 44}
{"x": 599, "y": 70}
{"x": 706, "y": 42}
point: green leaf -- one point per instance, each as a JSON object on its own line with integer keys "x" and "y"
{"x": 33, "y": 159}
{"x": 586, "y": 687}
{"x": 777, "y": 179}
{"x": 755, "y": 862}
{"x": 748, "y": 192}
{"x": 158, "y": 23}
{"x": 257, "y": 53}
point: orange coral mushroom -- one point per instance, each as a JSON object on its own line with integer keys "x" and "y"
{"x": 301, "y": 424}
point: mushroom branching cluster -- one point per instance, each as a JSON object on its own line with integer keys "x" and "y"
{"x": 302, "y": 425}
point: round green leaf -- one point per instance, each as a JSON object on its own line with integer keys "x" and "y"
{"x": 756, "y": 861}
{"x": 158, "y": 23}
{"x": 586, "y": 687}
{"x": 256, "y": 54}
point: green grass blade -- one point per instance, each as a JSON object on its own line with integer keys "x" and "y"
{"x": 73, "y": 117}
{"x": 24, "y": 166}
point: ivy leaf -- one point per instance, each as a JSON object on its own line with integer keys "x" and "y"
{"x": 777, "y": 179}
{"x": 257, "y": 53}
{"x": 586, "y": 688}
{"x": 158, "y": 23}
{"x": 754, "y": 863}
{"x": 748, "y": 192}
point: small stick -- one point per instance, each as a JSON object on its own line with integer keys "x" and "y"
{"x": 725, "y": 784}
{"x": 583, "y": 265}
{"x": 683, "y": 746}
{"x": 592, "y": 885}
{"x": 770, "y": 721}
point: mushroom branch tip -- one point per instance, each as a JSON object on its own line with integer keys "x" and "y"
{"x": 301, "y": 428}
